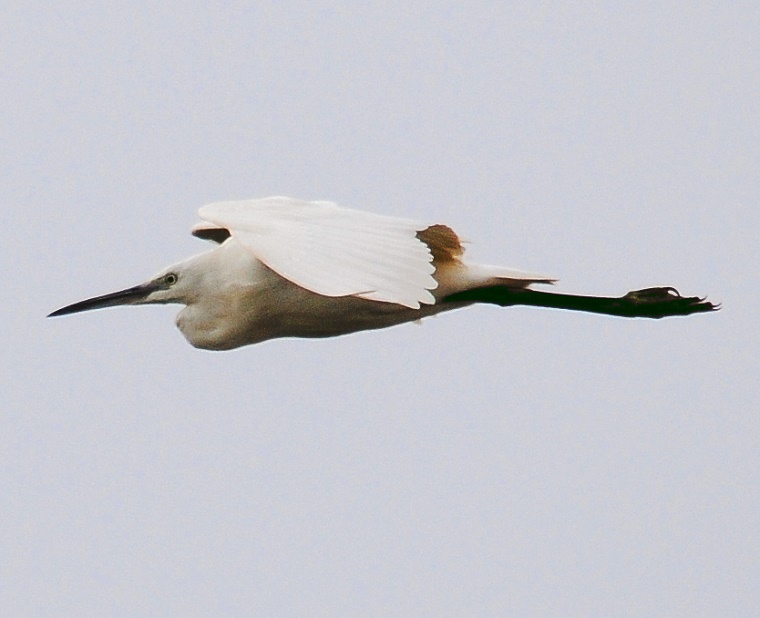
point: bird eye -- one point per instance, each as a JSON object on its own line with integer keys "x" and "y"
{"x": 170, "y": 279}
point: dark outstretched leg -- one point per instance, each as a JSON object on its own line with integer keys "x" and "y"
{"x": 647, "y": 303}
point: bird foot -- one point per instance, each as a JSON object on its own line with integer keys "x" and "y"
{"x": 665, "y": 301}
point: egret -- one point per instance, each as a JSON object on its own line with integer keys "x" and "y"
{"x": 285, "y": 267}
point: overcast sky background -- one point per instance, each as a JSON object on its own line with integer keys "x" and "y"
{"x": 491, "y": 462}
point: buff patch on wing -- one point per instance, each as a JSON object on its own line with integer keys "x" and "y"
{"x": 443, "y": 243}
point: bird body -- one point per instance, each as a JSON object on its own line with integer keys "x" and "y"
{"x": 245, "y": 301}
{"x": 283, "y": 267}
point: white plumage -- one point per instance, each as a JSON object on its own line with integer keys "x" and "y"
{"x": 331, "y": 250}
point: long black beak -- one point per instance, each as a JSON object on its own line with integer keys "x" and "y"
{"x": 123, "y": 297}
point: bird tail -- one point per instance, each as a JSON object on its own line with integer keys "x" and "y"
{"x": 657, "y": 302}
{"x": 497, "y": 276}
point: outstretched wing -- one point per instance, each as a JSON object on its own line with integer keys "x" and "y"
{"x": 331, "y": 250}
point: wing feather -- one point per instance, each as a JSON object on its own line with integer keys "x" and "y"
{"x": 331, "y": 250}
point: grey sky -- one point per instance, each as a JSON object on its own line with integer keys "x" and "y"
{"x": 490, "y": 462}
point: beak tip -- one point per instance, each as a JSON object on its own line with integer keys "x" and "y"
{"x": 59, "y": 312}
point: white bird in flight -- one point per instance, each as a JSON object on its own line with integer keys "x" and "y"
{"x": 285, "y": 267}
